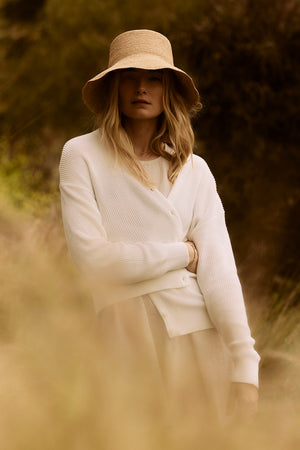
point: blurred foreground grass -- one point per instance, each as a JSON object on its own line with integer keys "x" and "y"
{"x": 58, "y": 393}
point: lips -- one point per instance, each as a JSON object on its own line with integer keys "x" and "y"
{"x": 140, "y": 101}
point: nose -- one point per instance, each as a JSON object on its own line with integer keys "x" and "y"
{"x": 141, "y": 85}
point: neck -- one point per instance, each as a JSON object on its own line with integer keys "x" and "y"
{"x": 140, "y": 133}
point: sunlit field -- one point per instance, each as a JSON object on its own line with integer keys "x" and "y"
{"x": 58, "y": 392}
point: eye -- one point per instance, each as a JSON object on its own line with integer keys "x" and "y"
{"x": 127, "y": 76}
{"x": 156, "y": 77}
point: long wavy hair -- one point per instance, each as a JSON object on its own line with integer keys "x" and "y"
{"x": 174, "y": 129}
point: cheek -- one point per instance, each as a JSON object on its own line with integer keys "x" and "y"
{"x": 125, "y": 89}
{"x": 122, "y": 94}
{"x": 123, "y": 98}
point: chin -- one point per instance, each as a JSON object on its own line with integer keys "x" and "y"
{"x": 141, "y": 116}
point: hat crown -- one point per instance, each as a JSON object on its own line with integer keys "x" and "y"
{"x": 137, "y": 42}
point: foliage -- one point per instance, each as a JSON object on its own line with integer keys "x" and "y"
{"x": 58, "y": 390}
{"x": 243, "y": 57}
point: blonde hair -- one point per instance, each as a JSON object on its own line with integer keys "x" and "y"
{"x": 174, "y": 129}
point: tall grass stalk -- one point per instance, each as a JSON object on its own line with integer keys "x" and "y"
{"x": 58, "y": 391}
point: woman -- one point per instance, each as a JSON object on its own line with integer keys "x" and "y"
{"x": 142, "y": 217}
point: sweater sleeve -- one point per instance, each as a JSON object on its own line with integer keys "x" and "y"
{"x": 219, "y": 282}
{"x": 86, "y": 237}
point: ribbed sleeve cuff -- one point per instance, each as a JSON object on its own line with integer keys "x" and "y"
{"x": 245, "y": 370}
{"x": 179, "y": 254}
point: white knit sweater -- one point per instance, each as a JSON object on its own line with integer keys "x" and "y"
{"x": 118, "y": 229}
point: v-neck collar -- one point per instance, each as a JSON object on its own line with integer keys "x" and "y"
{"x": 178, "y": 181}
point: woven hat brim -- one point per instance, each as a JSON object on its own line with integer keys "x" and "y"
{"x": 94, "y": 89}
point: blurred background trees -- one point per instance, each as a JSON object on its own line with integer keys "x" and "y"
{"x": 243, "y": 56}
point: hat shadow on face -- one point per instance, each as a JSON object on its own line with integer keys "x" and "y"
{"x": 139, "y": 49}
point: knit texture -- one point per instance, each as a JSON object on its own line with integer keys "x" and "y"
{"x": 157, "y": 169}
{"x": 120, "y": 229}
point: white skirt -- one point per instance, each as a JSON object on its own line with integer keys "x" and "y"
{"x": 193, "y": 370}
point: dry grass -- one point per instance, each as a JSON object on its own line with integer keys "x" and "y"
{"x": 56, "y": 390}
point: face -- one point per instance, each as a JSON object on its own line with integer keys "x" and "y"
{"x": 141, "y": 94}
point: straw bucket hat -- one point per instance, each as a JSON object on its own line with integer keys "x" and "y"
{"x": 139, "y": 49}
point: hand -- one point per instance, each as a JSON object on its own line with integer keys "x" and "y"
{"x": 193, "y": 257}
{"x": 243, "y": 401}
